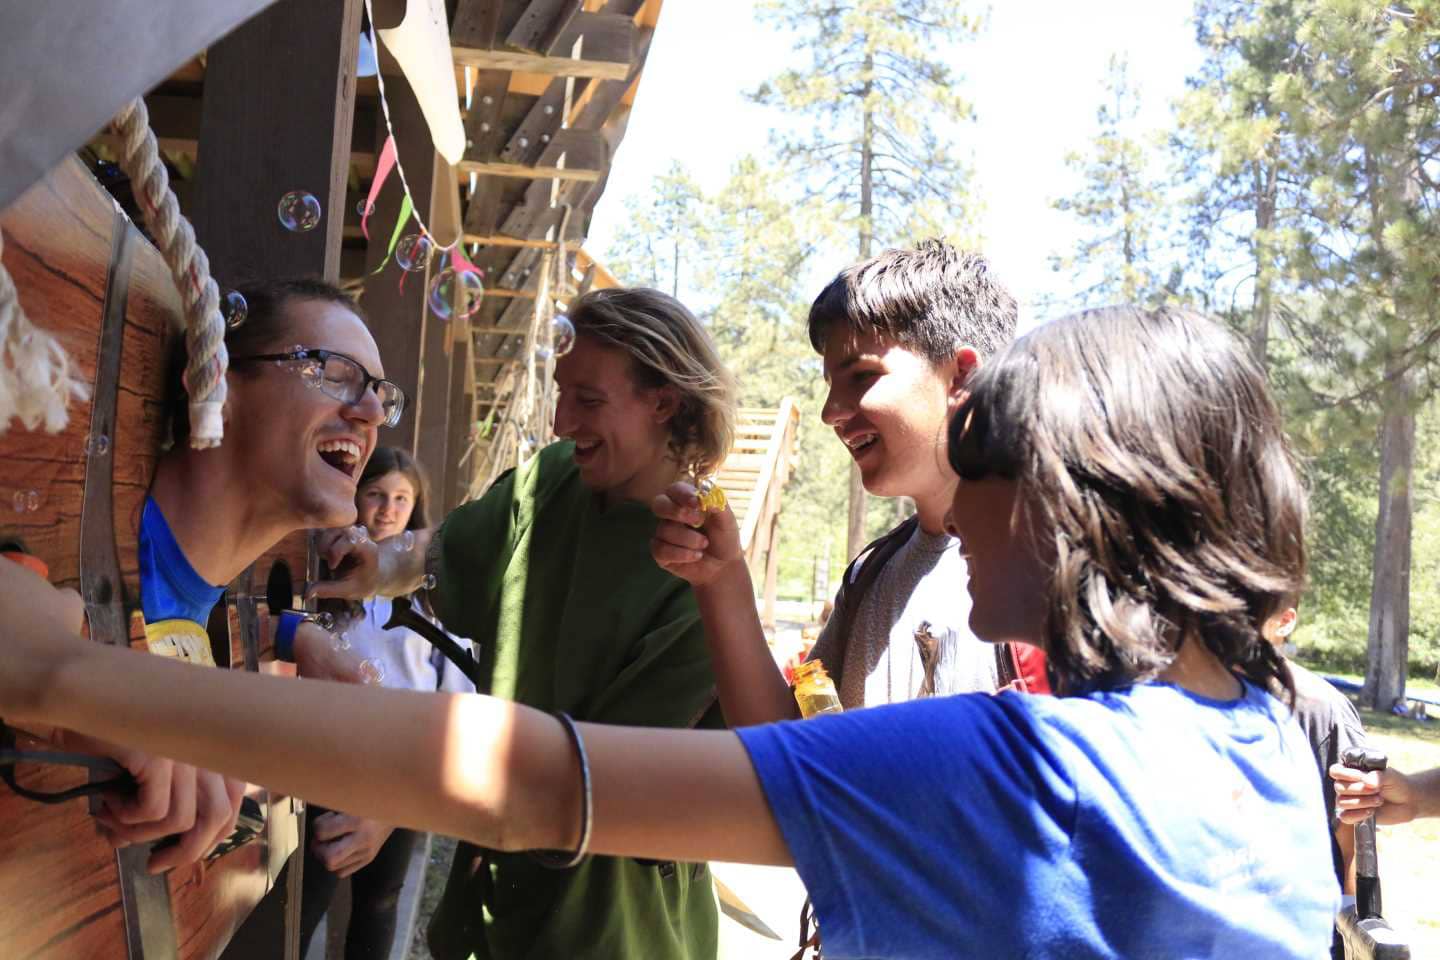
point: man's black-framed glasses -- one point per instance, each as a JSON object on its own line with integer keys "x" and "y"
{"x": 338, "y": 377}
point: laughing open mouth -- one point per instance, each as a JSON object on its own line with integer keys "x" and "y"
{"x": 341, "y": 455}
{"x": 861, "y": 442}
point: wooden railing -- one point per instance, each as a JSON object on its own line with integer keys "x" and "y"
{"x": 754, "y": 478}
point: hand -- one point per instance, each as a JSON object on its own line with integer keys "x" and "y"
{"x": 698, "y": 556}
{"x": 173, "y": 799}
{"x": 317, "y": 658}
{"x": 357, "y": 566}
{"x": 345, "y": 843}
{"x": 1388, "y": 793}
{"x": 41, "y": 627}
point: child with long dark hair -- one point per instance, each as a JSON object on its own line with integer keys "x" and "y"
{"x": 1127, "y": 502}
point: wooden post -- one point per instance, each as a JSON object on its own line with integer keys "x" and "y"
{"x": 448, "y": 486}
{"x": 397, "y": 316}
{"x": 278, "y": 107}
{"x": 276, "y": 116}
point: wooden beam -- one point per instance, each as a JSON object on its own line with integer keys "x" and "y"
{"x": 522, "y": 171}
{"x": 476, "y": 23}
{"x": 503, "y": 241}
{"x": 536, "y": 63}
{"x": 542, "y": 23}
{"x": 398, "y": 317}
{"x": 509, "y": 294}
{"x": 284, "y": 79}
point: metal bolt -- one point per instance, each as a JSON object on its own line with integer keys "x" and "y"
{"x": 484, "y": 127}
{"x": 524, "y": 142}
{"x": 487, "y": 99}
{"x": 549, "y": 109}
{"x": 544, "y": 138}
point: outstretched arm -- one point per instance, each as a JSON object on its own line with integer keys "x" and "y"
{"x": 704, "y": 549}
{"x": 490, "y": 771}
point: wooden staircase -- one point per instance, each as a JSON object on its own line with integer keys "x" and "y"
{"x": 754, "y": 478}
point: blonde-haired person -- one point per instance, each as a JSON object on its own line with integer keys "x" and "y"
{"x": 549, "y": 573}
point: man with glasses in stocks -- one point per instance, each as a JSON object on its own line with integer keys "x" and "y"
{"x": 302, "y": 412}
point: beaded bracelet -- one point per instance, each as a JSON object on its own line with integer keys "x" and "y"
{"x": 564, "y": 861}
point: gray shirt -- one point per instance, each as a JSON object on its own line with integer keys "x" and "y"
{"x": 922, "y": 590}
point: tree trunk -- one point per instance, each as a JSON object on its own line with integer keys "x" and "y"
{"x": 1266, "y": 181}
{"x": 855, "y": 528}
{"x": 1387, "y": 651}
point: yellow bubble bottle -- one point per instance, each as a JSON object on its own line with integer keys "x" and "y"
{"x": 814, "y": 690}
{"x": 711, "y": 496}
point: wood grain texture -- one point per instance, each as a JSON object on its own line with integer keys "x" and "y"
{"x": 59, "y": 896}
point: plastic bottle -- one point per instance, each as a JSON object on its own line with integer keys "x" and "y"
{"x": 814, "y": 690}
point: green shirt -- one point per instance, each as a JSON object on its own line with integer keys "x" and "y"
{"x": 568, "y": 611}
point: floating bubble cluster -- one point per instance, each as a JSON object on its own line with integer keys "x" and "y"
{"x": 357, "y": 534}
{"x": 413, "y": 252}
{"x": 26, "y": 501}
{"x": 340, "y": 641}
{"x": 234, "y": 309}
{"x": 456, "y": 294}
{"x": 299, "y": 211}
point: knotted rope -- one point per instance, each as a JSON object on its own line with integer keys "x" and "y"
{"x": 36, "y": 384}
{"x": 204, "y": 326}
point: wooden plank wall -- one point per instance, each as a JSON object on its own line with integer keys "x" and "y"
{"x": 59, "y": 898}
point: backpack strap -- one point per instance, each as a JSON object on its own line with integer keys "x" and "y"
{"x": 862, "y": 572}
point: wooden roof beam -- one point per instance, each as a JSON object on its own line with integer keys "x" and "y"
{"x": 536, "y": 172}
{"x": 538, "y": 63}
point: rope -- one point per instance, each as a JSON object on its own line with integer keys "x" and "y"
{"x": 204, "y": 326}
{"x": 36, "y": 384}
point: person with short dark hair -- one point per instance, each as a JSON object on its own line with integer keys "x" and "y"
{"x": 1331, "y": 725}
{"x": 901, "y": 334}
{"x": 1124, "y": 478}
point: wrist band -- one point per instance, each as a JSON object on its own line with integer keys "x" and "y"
{"x": 285, "y": 635}
{"x": 563, "y": 861}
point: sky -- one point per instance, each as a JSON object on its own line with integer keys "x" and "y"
{"x": 1034, "y": 76}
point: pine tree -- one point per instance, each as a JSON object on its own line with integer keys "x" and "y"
{"x": 666, "y": 233}
{"x": 1360, "y": 101}
{"x": 1238, "y": 159}
{"x": 880, "y": 103}
{"x": 1122, "y": 203}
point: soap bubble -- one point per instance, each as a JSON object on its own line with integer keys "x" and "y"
{"x": 325, "y": 620}
{"x": 340, "y": 641}
{"x": 97, "y": 445}
{"x": 32, "y": 500}
{"x": 429, "y": 582}
{"x": 456, "y": 294}
{"x": 234, "y": 309}
{"x": 365, "y": 208}
{"x": 407, "y": 541}
{"x": 562, "y": 335}
{"x": 357, "y": 534}
{"x": 299, "y": 211}
{"x": 413, "y": 251}
{"x": 372, "y": 672}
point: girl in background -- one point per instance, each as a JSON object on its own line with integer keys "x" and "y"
{"x": 391, "y": 500}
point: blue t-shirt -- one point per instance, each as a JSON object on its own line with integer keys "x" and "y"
{"x": 1146, "y": 822}
{"x": 170, "y": 589}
